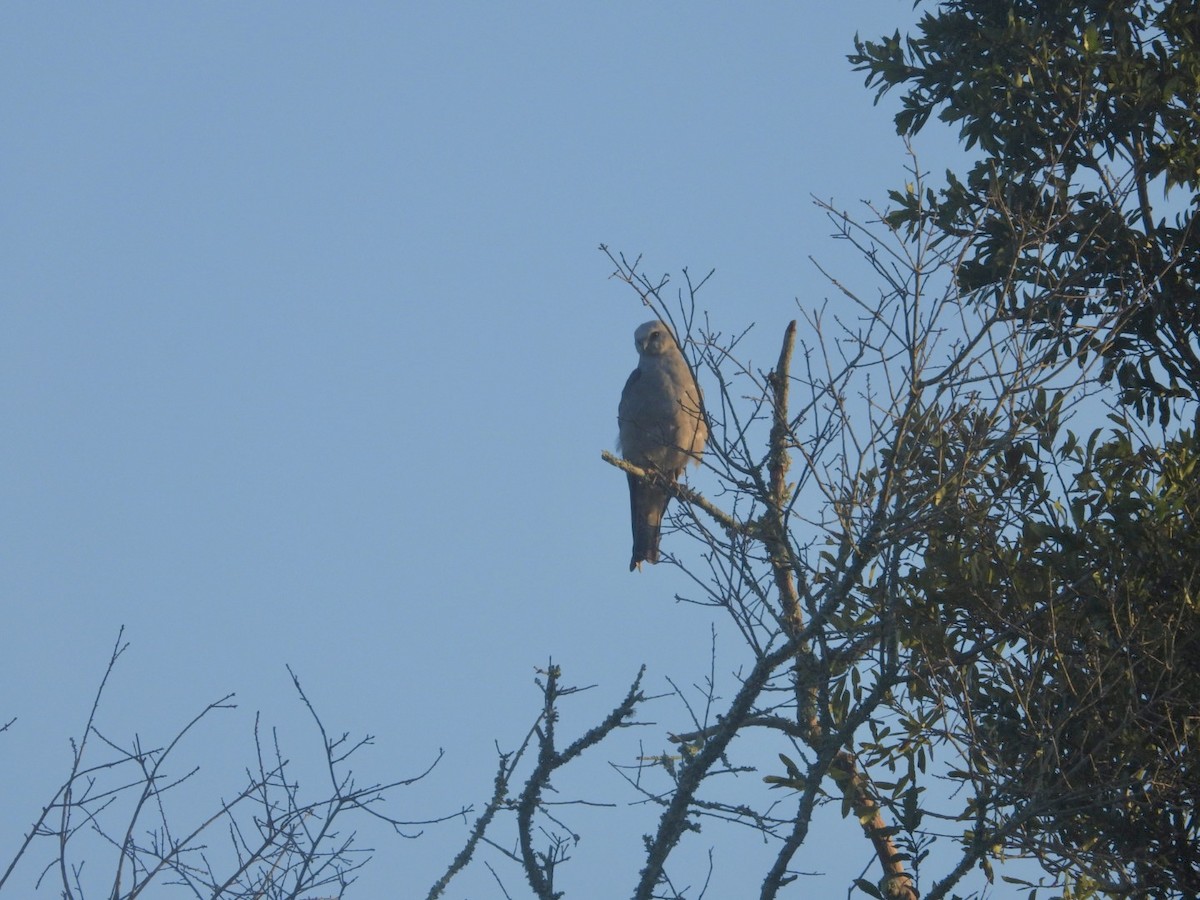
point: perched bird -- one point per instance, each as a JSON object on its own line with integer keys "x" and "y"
{"x": 662, "y": 428}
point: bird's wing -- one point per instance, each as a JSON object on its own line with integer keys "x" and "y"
{"x": 688, "y": 429}
{"x": 627, "y": 414}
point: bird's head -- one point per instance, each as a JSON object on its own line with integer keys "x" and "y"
{"x": 653, "y": 338}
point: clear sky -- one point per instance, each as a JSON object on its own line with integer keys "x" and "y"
{"x": 308, "y": 355}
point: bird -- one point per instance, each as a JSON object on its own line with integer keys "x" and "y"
{"x": 661, "y": 428}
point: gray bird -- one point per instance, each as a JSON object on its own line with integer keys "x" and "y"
{"x": 661, "y": 427}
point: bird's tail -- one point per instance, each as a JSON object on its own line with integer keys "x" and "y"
{"x": 647, "y": 504}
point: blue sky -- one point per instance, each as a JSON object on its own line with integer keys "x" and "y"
{"x": 308, "y": 355}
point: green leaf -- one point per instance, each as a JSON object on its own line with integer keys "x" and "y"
{"x": 867, "y": 888}
{"x": 1091, "y": 39}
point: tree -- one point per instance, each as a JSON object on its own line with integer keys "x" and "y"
{"x": 268, "y": 839}
{"x": 1078, "y": 218}
{"x": 1082, "y": 206}
{"x": 1081, "y": 690}
{"x": 934, "y": 580}
{"x": 922, "y": 559}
